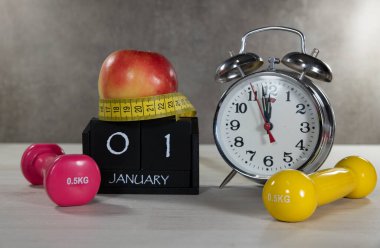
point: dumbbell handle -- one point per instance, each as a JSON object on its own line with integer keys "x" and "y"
{"x": 43, "y": 162}
{"x": 36, "y": 159}
{"x": 333, "y": 184}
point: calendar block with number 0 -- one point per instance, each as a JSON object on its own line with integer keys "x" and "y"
{"x": 159, "y": 156}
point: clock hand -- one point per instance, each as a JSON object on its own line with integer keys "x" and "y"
{"x": 267, "y": 105}
{"x": 267, "y": 125}
{"x": 264, "y": 102}
{"x": 261, "y": 110}
{"x": 267, "y": 108}
{"x": 268, "y": 111}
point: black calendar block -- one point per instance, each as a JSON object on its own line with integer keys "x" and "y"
{"x": 153, "y": 156}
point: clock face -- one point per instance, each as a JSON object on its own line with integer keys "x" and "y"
{"x": 266, "y": 123}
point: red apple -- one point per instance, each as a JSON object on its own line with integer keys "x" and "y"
{"x": 130, "y": 74}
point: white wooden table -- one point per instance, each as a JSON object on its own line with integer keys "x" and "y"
{"x": 232, "y": 217}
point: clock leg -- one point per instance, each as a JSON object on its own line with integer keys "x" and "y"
{"x": 227, "y": 179}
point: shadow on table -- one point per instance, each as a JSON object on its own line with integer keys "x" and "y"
{"x": 236, "y": 200}
{"x": 241, "y": 200}
{"x": 330, "y": 218}
{"x": 95, "y": 208}
{"x": 36, "y": 196}
{"x": 340, "y": 207}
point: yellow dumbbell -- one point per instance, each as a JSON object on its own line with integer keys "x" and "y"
{"x": 292, "y": 196}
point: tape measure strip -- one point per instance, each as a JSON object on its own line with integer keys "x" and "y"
{"x": 145, "y": 108}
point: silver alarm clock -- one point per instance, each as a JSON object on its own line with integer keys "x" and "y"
{"x": 273, "y": 119}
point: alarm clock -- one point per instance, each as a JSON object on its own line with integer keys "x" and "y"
{"x": 273, "y": 119}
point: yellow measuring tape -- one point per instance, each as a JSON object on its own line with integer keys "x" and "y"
{"x": 145, "y": 108}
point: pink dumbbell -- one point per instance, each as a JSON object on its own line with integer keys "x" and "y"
{"x": 70, "y": 180}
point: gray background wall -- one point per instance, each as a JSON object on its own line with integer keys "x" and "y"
{"x": 51, "y": 52}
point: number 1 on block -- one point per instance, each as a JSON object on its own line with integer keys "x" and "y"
{"x": 167, "y": 137}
